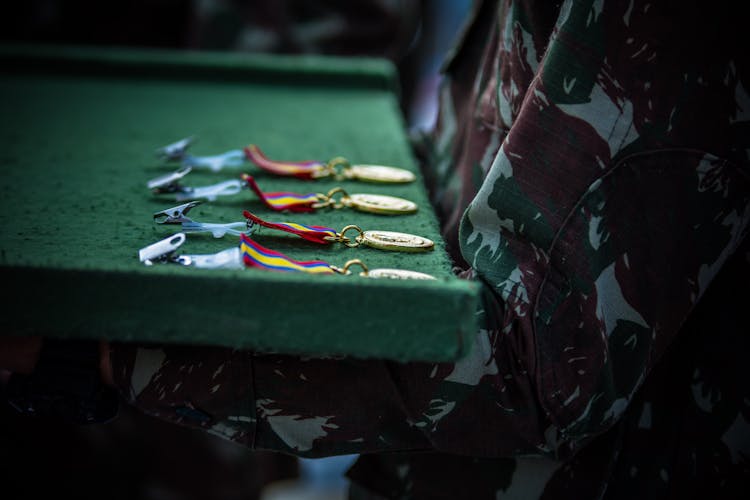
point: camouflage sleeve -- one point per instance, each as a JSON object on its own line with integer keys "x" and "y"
{"x": 591, "y": 171}
{"x": 606, "y": 183}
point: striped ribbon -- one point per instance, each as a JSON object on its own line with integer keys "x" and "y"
{"x": 256, "y": 255}
{"x": 294, "y": 202}
{"x": 302, "y": 169}
{"x": 317, "y": 234}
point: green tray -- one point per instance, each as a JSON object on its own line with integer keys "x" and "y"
{"x": 79, "y": 131}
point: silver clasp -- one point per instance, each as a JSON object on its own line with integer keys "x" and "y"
{"x": 169, "y": 183}
{"x": 162, "y": 251}
{"x": 178, "y": 215}
{"x": 176, "y": 150}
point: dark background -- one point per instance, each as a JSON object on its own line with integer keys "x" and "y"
{"x": 413, "y": 34}
{"x": 136, "y": 456}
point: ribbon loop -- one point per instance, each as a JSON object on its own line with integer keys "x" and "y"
{"x": 302, "y": 169}
{"x": 351, "y": 243}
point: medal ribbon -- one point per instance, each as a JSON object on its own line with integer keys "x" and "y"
{"x": 294, "y": 202}
{"x": 316, "y": 234}
{"x": 302, "y": 169}
{"x": 256, "y": 255}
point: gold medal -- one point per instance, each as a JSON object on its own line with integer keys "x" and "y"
{"x": 378, "y": 173}
{"x": 373, "y": 203}
{"x": 399, "y": 242}
{"x": 401, "y": 274}
{"x": 379, "y": 204}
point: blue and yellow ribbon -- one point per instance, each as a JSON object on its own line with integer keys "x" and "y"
{"x": 256, "y": 255}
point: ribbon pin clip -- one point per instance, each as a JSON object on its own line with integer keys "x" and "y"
{"x": 336, "y": 198}
{"x": 339, "y": 168}
{"x": 382, "y": 240}
{"x": 170, "y": 183}
{"x": 178, "y": 215}
{"x": 250, "y": 253}
{"x": 164, "y": 252}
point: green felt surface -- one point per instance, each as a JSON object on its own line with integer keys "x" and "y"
{"x": 78, "y": 136}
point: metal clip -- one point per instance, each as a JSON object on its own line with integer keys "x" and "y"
{"x": 161, "y": 251}
{"x": 169, "y": 183}
{"x": 178, "y": 215}
{"x": 176, "y": 150}
{"x": 164, "y": 252}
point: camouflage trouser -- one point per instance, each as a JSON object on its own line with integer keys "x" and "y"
{"x": 685, "y": 435}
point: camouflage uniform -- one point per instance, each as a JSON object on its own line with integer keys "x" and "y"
{"x": 590, "y": 167}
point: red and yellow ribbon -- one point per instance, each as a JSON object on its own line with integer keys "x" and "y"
{"x": 316, "y": 234}
{"x": 302, "y": 169}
